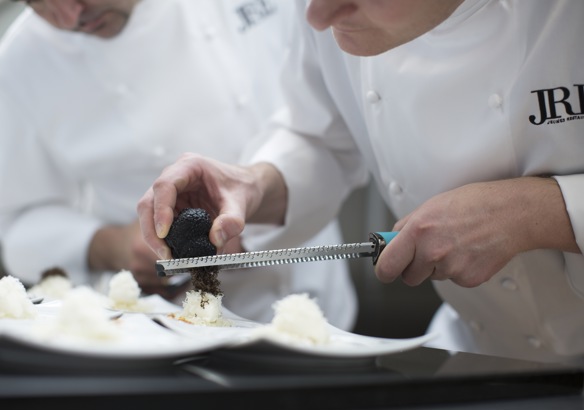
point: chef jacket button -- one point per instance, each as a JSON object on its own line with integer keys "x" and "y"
{"x": 476, "y": 326}
{"x": 241, "y": 101}
{"x": 495, "y": 101}
{"x": 395, "y": 188}
{"x": 210, "y": 33}
{"x": 122, "y": 89}
{"x": 534, "y": 342}
{"x": 159, "y": 151}
{"x": 509, "y": 284}
{"x": 373, "y": 97}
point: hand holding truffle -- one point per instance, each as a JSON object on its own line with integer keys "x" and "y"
{"x": 233, "y": 195}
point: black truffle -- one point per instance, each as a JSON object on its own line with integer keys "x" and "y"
{"x": 188, "y": 237}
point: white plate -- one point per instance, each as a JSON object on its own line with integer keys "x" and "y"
{"x": 139, "y": 338}
{"x": 348, "y": 345}
{"x": 154, "y": 305}
{"x": 51, "y": 309}
{"x": 142, "y": 338}
{"x": 36, "y": 299}
{"x": 341, "y": 344}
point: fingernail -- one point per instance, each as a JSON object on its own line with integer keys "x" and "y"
{"x": 220, "y": 238}
{"x": 160, "y": 231}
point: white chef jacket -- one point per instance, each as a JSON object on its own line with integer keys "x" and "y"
{"x": 87, "y": 124}
{"x": 496, "y": 91}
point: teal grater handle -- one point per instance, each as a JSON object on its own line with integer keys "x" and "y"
{"x": 380, "y": 240}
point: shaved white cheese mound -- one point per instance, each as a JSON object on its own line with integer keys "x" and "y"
{"x": 82, "y": 315}
{"x": 298, "y": 317}
{"x": 202, "y": 308}
{"x": 14, "y": 301}
{"x": 124, "y": 293}
{"x": 52, "y": 287}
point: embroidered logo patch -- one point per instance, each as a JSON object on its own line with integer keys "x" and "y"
{"x": 558, "y": 105}
{"x": 253, "y": 12}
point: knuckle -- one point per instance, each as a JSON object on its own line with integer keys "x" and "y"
{"x": 467, "y": 282}
{"x": 159, "y": 183}
{"x": 141, "y": 205}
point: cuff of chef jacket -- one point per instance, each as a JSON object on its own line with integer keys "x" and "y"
{"x": 316, "y": 184}
{"x": 572, "y": 187}
{"x": 70, "y": 253}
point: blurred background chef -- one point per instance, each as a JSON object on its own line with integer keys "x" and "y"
{"x": 98, "y": 96}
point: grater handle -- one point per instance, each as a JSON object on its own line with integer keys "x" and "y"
{"x": 380, "y": 240}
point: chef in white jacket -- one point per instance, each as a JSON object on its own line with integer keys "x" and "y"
{"x": 470, "y": 117}
{"x": 97, "y": 97}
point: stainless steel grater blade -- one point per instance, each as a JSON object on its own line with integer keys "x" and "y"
{"x": 373, "y": 248}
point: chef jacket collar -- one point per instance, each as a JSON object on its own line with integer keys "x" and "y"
{"x": 466, "y": 9}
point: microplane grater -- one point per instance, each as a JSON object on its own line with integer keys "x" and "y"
{"x": 373, "y": 248}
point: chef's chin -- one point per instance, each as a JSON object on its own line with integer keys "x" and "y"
{"x": 364, "y": 44}
{"x": 111, "y": 24}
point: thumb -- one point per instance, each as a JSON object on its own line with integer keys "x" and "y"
{"x": 225, "y": 227}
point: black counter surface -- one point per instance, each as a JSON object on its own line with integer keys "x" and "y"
{"x": 265, "y": 377}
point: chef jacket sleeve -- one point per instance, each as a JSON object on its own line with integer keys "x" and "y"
{"x": 311, "y": 145}
{"x": 572, "y": 187}
{"x": 39, "y": 226}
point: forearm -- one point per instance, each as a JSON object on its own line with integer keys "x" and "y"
{"x": 273, "y": 193}
{"x": 106, "y": 250}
